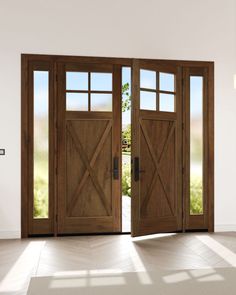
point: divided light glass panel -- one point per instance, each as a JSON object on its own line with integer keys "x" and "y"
{"x": 148, "y": 79}
{"x": 101, "y": 81}
{"x": 196, "y": 145}
{"x": 41, "y": 144}
{"x": 76, "y": 81}
{"x": 101, "y": 102}
{"x": 167, "y": 82}
{"x": 76, "y": 101}
{"x": 148, "y": 101}
{"x": 166, "y": 102}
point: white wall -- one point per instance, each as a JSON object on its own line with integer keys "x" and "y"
{"x": 168, "y": 29}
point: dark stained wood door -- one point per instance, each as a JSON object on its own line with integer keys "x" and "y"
{"x": 156, "y": 148}
{"x": 89, "y": 190}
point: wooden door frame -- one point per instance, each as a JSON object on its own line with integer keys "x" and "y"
{"x": 26, "y": 125}
{"x": 205, "y": 220}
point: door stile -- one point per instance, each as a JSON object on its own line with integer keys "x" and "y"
{"x": 135, "y": 147}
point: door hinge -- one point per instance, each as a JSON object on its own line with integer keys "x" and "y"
{"x": 183, "y": 170}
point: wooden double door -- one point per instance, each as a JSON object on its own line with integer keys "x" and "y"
{"x": 89, "y": 151}
{"x": 84, "y": 169}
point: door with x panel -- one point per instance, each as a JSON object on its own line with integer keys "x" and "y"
{"x": 156, "y": 148}
{"x": 89, "y": 148}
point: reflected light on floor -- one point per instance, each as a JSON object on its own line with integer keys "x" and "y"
{"x": 85, "y": 282}
{"x": 219, "y": 249}
{"x": 85, "y": 273}
{"x": 176, "y": 278}
{"x": 150, "y": 237}
{"x": 199, "y": 275}
{"x": 84, "y": 278}
{"x": 212, "y": 278}
{"x": 139, "y": 266}
{"x": 22, "y": 268}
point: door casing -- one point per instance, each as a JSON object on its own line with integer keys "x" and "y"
{"x": 30, "y": 226}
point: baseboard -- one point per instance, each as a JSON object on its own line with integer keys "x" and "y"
{"x": 225, "y": 227}
{"x": 5, "y": 234}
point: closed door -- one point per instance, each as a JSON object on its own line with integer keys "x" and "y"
{"x": 156, "y": 148}
{"x": 89, "y": 148}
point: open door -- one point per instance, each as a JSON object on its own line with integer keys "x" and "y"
{"x": 156, "y": 148}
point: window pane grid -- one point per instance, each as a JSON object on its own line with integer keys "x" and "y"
{"x": 163, "y": 85}
{"x": 98, "y": 85}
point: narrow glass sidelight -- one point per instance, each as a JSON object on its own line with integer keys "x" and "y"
{"x": 196, "y": 145}
{"x": 41, "y": 144}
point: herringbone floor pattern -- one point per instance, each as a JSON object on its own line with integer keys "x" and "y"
{"x": 21, "y": 259}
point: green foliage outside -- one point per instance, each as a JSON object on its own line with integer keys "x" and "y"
{"x": 126, "y": 98}
{"x": 126, "y": 135}
{"x": 126, "y": 180}
{"x": 196, "y": 206}
{"x": 40, "y": 185}
{"x": 40, "y": 198}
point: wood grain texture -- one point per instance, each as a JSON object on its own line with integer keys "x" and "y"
{"x": 157, "y": 142}
{"x": 88, "y": 196}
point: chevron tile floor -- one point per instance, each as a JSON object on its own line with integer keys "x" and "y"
{"x": 22, "y": 259}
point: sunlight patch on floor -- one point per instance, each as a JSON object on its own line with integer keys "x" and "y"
{"x": 19, "y": 274}
{"x": 155, "y": 236}
{"x": 200, "y": 275}
{"x": 219, "y": 249}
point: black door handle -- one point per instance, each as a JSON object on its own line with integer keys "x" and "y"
{"x": 115, "y": 168}
{"x": 137, "y": 171}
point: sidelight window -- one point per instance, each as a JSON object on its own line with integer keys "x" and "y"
{"x": 196, "y": 145}
{"x": 41, "y": 144}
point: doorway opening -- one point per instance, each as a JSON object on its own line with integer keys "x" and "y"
{"x": 126, "y": 149}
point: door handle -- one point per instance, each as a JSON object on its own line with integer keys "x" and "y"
{"x": 115, "y": 168}
{"x": 137, "y": 171}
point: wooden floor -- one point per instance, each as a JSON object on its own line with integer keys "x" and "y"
{"x": 21, "y": 259}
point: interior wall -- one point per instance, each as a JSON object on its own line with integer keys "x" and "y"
{"x": 159, "y": 29}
